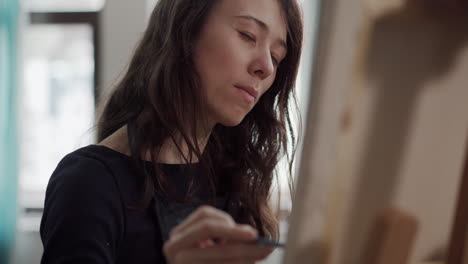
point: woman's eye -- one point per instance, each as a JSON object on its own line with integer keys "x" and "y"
{"x": 275, "y": 60}
{"x": 247, "y": 36}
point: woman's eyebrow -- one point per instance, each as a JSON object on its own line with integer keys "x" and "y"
{"x": 264, "y": 27}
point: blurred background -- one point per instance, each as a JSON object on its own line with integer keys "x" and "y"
{"x": 57, "y": 58}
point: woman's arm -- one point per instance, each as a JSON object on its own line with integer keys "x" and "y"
{"x": 83, "y": 216}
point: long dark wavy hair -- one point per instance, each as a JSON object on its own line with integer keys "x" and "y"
{"x": 159, "y": 95}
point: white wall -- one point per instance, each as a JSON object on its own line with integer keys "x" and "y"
{"x": 150, "y": 4}
{"x": 122, "y": 25}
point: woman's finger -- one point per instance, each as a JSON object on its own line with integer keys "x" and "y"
{"x": 209, "y": 229}
{"x": 206, "y": 243}
{"x": 204, "y": 212}
{"x": 233, "y": 253}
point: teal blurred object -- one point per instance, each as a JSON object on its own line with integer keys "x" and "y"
{"x": 8, "y": 136}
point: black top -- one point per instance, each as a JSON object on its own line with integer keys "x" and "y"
{"x": 86, "y": 215}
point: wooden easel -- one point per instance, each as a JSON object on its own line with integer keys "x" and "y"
{"x": 392, "y": 238}
{"x": 458, "y": 251}
{"x": 394, "y": 232}
{"x": 387, "y": 121}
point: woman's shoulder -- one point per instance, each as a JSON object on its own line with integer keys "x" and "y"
{"x": 96, "y": 153}
{"x": 94, "y": 168}
{"x": 90, "y": 160}
{"x": 84, "y": 167}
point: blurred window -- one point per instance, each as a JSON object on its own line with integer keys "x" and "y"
{"x": 63, "y": 5}
{"x": 57, "y": 107}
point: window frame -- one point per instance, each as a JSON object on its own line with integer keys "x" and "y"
{"x": 91, "y": 18}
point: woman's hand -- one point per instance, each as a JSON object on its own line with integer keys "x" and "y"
{"x": 210, "y": 235}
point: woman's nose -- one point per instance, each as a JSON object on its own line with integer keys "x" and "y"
{"x": 262, "y": 67}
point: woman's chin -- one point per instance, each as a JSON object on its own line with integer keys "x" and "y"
{"x": 231, "y": 121}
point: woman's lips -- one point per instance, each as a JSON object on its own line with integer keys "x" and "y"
{"x": 248, "y": 93}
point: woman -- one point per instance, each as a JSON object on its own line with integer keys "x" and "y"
{"x": 189, "y": 140}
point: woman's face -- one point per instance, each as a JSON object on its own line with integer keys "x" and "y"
{"x": 236, "y": 56}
